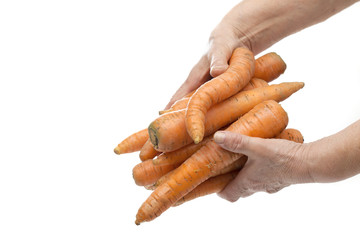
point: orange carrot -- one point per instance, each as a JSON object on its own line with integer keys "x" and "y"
{"x": 269, "y": 67}
{"x": 255, "y": 83}
{"x": 265, "y": 120}
{"x": 180, "y": 155}
{"x": 133, "y": 143}
{"x": 148, "y": 151}
{"x": 212, "y": 185}
{"x": 168, "y": 132}
{"x": 239, "y": 73}
{"x": 146, "y": 173}
{"x": 292, "y": 135}
{"x": 217, "y": 183}
{"x": 182, "y": 103}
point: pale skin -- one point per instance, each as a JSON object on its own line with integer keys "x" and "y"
{"x": 274, "y": 163}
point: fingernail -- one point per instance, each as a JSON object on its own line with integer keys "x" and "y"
{"x": 219, "y": 137}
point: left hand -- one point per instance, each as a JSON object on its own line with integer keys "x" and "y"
{"x": 272, "y": 164}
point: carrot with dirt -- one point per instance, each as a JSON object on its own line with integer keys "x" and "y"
{"x": 133, "y": 143}
{"x": 146, "y": 173}
{"x": 168, "y": 132}
{"x": 269, "y": 67}
{"x": 217, "y": 183}
{"x": 239, "y": 73}
{"x": 265, "y": 120}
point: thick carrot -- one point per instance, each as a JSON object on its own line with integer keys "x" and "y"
{"x": 146, "y": 173}
{"x": 269, "y": 67}
{"x": 266, "y": 120}
{"x": 239, "y": 73}
{"x": 148, "y": 151}
{"x": 168, "y": 132}
{"x": 217, "y": 183}
{"x": 133, "y": 143}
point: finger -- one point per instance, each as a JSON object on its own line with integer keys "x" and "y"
{"x": 237, "y": 188}
{"x": 197, "y": 76}
{"x": 251, "y": 146}
{"x": 219, "y": 55}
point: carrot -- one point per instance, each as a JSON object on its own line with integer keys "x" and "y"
{"x": 132, "y": 143}
{"x": 168, "y": 132}
{"x": 148, "y": 151}
{"x": 292, "y": 135}
{"x": 255, "y": 83}
{"x": 269, "y": 67}
{"x": 265, "y": 120}
{"x": 239, "y": 73}
{"x": 180, "y": 155}
{"x": 146, "y": 173}
{"x": 182, "y": 103}
{"x": 212, "y": 185}
{"x": 217, "y": 183}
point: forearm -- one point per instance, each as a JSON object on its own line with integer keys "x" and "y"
{"x": 261, "y": 23}
{"x": 336, "y": 157}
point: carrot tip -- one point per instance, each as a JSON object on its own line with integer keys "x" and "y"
{"x": 137, "y": 222}
{"x": 117, "y": 150}
{"x": 197, "y": 139}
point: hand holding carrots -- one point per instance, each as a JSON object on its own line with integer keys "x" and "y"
{"x": 272, "y": 164}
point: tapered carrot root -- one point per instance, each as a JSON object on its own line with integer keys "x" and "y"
{"x": 269, "y": 67}
{"x": 133, "y": 143}
{"x": 212, "y": 185}
{"x": 217, "y": 183}
{"x": 148, "y": 151}
{"x": 168, "y": 132}
{"x": 239, "y": 73}
{"x": 265, "y": 120}
{"x": 146, "y": 173}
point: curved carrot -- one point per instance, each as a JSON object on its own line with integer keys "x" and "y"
{"x": 217, "y": 183}
{"x": 146, "y": 173}
{"x": 168, "y": 132}
{"x": 269, "y": 67}
{"x": 265, "y": 120}
{"x": 133, "y": 143}
{"x": 148, "y": 151}
{"x": 239, "y": 73}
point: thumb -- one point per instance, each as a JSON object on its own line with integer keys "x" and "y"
{"x": 219, "y": 56}
{"x": 238, "y": 143}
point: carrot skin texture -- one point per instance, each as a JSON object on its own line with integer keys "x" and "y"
{"x": 146, "y": 173}
{"x": 269, "y": 67}
{"x": 133, "y": 142}
{"x": 239, "y": 73}
{"x": 292, "y": 135}
{"x": 168, "y": 132}
{"x": 265, "y": 120}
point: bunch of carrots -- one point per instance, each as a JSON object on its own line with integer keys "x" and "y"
{"x": 180, "y": 160}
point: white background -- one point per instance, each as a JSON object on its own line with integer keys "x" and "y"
{"x": 77, "y": 77}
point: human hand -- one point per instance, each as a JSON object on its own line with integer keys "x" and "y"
{"x": 272, "y": 164}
